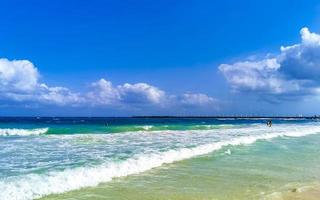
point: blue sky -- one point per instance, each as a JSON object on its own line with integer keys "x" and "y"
{"x": 119, "y": 58}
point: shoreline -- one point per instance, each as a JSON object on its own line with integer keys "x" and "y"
{"x": 303, "y": 192}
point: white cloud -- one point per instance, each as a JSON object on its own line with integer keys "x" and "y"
{"x": 295, "y": 71}
{"x": 309, "y": 38}
{"x": 46, "y": 95}
{"x": 104, "y": 93}
{"x": 58, "y": 95}
{"x": 198, "y": 99}
{"x": 19, "y": 81}
{"x": 253, "y": 75}
{"x": 17, "y": 75}
{"x": 141, "y": 93}
{"x": 302, "y": 61}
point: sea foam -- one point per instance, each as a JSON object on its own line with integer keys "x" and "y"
{"x": 38, "y": 185}
{"x": 22, "y": 132}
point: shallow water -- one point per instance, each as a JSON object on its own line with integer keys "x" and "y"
{"x": 174, "y": 159}
{"x": 283, "y": 168}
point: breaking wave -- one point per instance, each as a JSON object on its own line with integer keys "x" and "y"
{"x": 32, "y": 186}
{"x": 22, "y": 132}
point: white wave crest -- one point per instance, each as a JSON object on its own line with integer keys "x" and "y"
{"x": 38, "y": 185}
{"x": 22, "y": 132}
{"x": 147, "y": 127}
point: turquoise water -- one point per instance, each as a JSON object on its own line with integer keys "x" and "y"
{"x": 125, "y": 158}
{"x": 262, "y": 170}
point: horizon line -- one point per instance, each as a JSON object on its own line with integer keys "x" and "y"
{"x": 183, "y": 116}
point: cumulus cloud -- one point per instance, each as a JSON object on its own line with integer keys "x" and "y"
{"x": 261, "y": 75}
{"x": 20, "y": 82}
{"x": 302, "y": 61}
{"x": 198, "y": 99}
{"x": 294, "y": 72}
{"x": 17, "y": 75}
{"x": 58, "y": 95}
{"x": 141, "y": 93}
{"x": 104, "y": 93}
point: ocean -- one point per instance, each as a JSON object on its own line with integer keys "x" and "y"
{"x": 158, "y": 158}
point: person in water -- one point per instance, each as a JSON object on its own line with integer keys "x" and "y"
{"x": 269, "y": 123}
